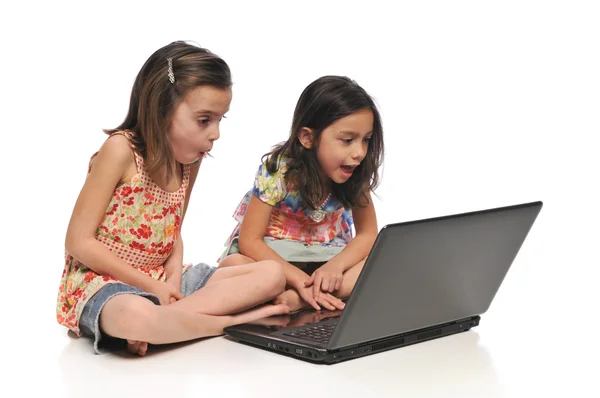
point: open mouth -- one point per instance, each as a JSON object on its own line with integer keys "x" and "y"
{"x": 348, "y": 169}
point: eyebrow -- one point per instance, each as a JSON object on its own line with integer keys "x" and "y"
{"x": 205, "y": 111}
{"x": 353, "y": 133}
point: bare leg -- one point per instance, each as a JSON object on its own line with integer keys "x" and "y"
{"x": 228, "y": 291}
{"x": 236, "y": 288}
{"x": 235, "y": 259}
{"x": 135, "y": 318}
{"x": 350, "y": 278}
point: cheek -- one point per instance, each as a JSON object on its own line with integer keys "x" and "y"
{"x": 328, "y": 158}
{"x": 176, "y": 137}
{"x": 191, "y": 135}
{"x": 182, "y": 141}
{"x": 322, "y": 157}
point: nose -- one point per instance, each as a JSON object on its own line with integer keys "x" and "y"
{"x": 215, "y": 133}
{"x": 360, "y": 151}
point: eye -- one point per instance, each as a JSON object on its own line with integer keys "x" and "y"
{"x": 347, "y": 140}
{"x": 203, "y": 122}
{"x": 367, "y": 139}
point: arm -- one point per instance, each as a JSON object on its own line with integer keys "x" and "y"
{"x": 175, "y": 261}
{"x": 365, "y": 223}
{"x": 329, "y": 276}
{"x": 174, "y": 264}
{"x": 110, "y": 166}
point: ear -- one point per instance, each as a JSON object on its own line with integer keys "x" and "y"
{"x": 306, "y": 138}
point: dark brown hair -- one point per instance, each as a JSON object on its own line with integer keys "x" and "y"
{"x": 324, "y": 101}
{"x": 154, "y": 97}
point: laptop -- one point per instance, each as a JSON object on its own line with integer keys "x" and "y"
{"x": 422, "y": 280}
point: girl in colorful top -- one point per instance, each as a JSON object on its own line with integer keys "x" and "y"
{"x": 123, "y": 280}
{"x": 311, "y": 191}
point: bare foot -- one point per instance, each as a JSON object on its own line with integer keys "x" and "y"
{"x": 260, "y": 312}
{"x": 292, "y": 299}
{"x": 274, "y": 321}
{"x": 137, "y": 347}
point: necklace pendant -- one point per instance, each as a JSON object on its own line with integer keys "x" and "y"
{"x": 318, "y": 215}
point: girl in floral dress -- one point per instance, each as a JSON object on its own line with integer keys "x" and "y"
{"x": 311, "y": 191}
{"x": 123, "y": 280}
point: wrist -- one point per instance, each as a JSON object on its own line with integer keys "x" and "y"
{"x": 147, "y": 284}
{"x": 174, "y": 281}
{"x": 294, "y": 276}
{"x": 335, "y": 266}
{"x": 297, "y": 282}
{"x": 172, "y": 275}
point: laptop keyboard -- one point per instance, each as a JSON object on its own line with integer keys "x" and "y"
{"x": 316, "y": 333}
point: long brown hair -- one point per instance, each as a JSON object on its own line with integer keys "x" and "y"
{"x": 154, "y": 97}
{"x": 324, "y": 101}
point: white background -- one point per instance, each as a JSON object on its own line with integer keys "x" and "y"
{"x": 484, "y": 104}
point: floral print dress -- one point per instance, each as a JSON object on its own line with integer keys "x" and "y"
{"x": 290, "y": 217}
{"x": 140, "y": 225}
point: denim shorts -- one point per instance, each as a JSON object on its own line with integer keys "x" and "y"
{"x": 193, "y": 279}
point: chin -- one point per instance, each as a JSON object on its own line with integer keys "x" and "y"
{"x": 189, "y": 160}
{"x": 339, "y": 180}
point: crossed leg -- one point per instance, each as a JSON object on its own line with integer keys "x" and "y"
{"x": 230, "y": 297}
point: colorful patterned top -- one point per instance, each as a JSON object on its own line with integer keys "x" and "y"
{"x": 290, "y": 217}
{"x": 141, "y": 225}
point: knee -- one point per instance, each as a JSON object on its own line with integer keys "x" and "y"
{"x": 273, "y": 276}
{"x": 235, "y": 259}
{"x": 133, "y": 319}
{"x": 357, "y": 268}
{"x": 361, "y": 264}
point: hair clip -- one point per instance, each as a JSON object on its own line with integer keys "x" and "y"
{"x": 170, "y": 72}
